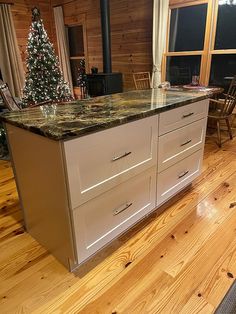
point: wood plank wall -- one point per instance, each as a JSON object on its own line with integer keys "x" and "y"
{"x": 131, "y": 33}
{"x": 21, "y": 11}
{"x": 131, "y": 30}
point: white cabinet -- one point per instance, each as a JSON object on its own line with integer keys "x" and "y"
{"x": 119, "y": 175}
{"x": 100, "y": 161}
{"x": 176, "y": 118}
{"x": 175, "y": 178}
{"x": 89, "y": 190}
{"x": 101, "y": 219}
{"x": 180, "y": 143}
{"x": 180, "y": 148}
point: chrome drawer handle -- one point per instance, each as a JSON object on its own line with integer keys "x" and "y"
{"x": 121, "y": 209}
{"x": 185, "y": 143}
{"x": 121, "y": 156}
{"x": 183, "y": 174}
{"x": 187, "y": 115}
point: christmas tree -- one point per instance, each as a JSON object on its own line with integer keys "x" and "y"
{"x": 44, "y": 79}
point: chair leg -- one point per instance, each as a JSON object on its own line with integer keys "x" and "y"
{"x": 218, "y": 133}
{"x": 229, "y": 128}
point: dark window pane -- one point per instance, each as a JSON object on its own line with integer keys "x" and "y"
{"x": 75, "y": 66}
{"x": 222, "y": 66}
{"x": 226, "y": 30}
{"x": 187, "y": 28}
{"x": 181, "y": 69}
{"x": 76, "y": 42}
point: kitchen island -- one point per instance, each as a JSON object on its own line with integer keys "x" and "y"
{"x": 88, "y": 171}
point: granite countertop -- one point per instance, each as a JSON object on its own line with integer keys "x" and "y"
{"x": 78, "y": 118}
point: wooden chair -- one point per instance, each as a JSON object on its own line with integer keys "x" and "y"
{"x": 184, "y": 75}
{"x": 7, "y": 97}
{"x": 142, "y": 80}
{"x": 222, "y": 109}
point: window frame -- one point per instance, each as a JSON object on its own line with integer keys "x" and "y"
{"x": 209, "y": 40}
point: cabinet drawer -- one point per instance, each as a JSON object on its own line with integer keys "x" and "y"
{"x": 179, "y": 144}
{"x": 176, "y": 118}
{"x": 173, "y": 179}
{"x": 98, "y": 162}
{"x": 103, "y": 218}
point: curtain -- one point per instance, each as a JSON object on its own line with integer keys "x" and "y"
{"x": 160, "y": 17}
{"x": 10, "y": 60}
{"x": 63, "y": 46}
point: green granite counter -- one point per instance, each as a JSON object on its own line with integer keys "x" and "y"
{"x": 75, "y": 119}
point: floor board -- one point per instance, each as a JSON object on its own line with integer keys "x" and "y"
{"x": 182, "y": 260}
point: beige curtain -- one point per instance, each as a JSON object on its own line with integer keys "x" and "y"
{"x": 160, "y": 17}
{"x": 62, "y": 43}
{"x": 10, "y": 59}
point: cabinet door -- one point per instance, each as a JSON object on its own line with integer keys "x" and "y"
{"x": 176, "y": 177}
{"x": 179, "y": 117}
{"x": 100, "y": 161}
{"x": 179, "y": 144}
{"x": 103, "y": 218}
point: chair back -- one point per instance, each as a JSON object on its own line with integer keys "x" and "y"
{"x": 230, "y": 99}
{"x": 142, "y": 80}
{"x": 7, "y": 97}
{"x": 184, "y": 74}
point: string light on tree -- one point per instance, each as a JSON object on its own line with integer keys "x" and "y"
{"x": 44, "y": 79}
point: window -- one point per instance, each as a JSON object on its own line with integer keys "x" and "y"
{"x": 222, "y": 66}
{"x": 201, "y": 41}
{"x": 76, "y": 41}
{"x": 225, "y": 28}
{"x": 76, "y": 49}
{"x": 187, "y": 28}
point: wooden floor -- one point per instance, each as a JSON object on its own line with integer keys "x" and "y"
{"x": 182, "y": 261}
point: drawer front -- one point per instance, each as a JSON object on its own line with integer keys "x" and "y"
{"x": 173, "y": 179}
{"x": 179, "y": 144}
{"x": 103, "y": 218}
{"x": 98, "y": 162}
{"x": 176, "y": 118}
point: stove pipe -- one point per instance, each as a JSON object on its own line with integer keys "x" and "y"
{"x": 106, "y": 35}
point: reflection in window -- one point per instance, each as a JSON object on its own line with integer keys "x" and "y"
{"x": 74, "y": 66}
{"x": 179, "y": 70}
{"x": 76, "y": 49}
{"x": 225, "y": 29}
{"x": 187, "y": 28}
{"x": 222, "y": 66}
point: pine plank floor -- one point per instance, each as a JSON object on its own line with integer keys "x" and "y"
{"x": 182, "y": 260}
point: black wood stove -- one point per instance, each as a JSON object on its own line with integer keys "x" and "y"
{"x": 107, "y": 82}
